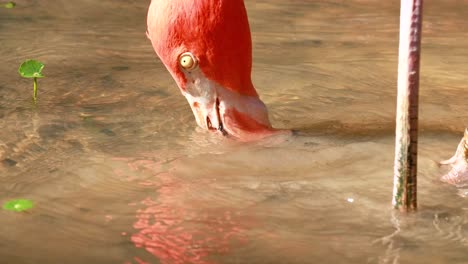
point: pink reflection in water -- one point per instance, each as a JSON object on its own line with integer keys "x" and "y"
{"x": 178, "y": 227}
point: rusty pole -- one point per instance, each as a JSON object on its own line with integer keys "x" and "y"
{"x": 406, "y": 140}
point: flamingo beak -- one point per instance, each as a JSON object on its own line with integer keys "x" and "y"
{"x": 225, "y": 111}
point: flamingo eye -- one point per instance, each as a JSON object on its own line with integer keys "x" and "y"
{"x": 188, "y": 61}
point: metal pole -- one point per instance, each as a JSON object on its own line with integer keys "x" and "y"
{"x": 406, "y": 140}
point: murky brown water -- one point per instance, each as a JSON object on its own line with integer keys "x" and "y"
{"x": 120, "y": 174}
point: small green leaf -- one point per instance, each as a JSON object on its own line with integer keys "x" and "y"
{"x": 18, "y": 205}
{"x": 10, "y": 5}
{"x": 31, "y": 69}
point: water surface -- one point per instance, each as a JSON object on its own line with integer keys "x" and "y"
{"x": 120, "y": 174}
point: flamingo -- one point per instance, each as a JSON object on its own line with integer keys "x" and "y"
{"x": 207, "y": 48}
{"x": 458, "y": 175}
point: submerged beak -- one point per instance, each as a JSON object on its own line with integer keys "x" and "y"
{"x": 458, "y": 175}
{"x": 225, "y": 111}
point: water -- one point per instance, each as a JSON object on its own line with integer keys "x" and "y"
{"x": 119, "y": 173}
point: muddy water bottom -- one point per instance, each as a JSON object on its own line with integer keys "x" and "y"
{"x": 119, "y": 173}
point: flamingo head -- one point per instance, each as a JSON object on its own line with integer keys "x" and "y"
{"x": 207, "y": 48}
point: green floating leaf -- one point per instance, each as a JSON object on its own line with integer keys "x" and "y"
{"x": 10, "y": 5}
{"x": 18, "y": 205}
{"x": 31, "y": 69}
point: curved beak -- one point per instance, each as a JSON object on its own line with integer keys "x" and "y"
{"x": 458, "y": 175}
{"x": 225, "y": 111}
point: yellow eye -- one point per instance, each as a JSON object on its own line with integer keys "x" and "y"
{"x": 188, "y": 61}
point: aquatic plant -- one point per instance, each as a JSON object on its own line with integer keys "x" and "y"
{"x": 9, "y": 5}
{"x": 18, "y": 205}
{"x": 32, "y": 69}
